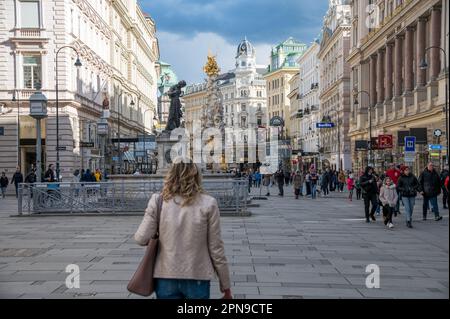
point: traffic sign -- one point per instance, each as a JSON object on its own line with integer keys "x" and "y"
{"x": 410, "y": 144}
{"x": 434, "y": 154}
{"x": 87, "y": 144}
{"x": 435, "y": 147}
{"x": 410, "y": 157}
{"x": 324, "y": 125}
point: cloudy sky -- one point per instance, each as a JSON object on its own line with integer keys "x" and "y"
{"x": 187, "y": 29}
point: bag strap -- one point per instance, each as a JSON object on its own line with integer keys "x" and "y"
{"x": 159, "y": 203}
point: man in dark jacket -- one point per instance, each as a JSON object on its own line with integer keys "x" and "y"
{"x": 279, "y": 177}
{"x": 4, "y": 184}
{"x": 407, "y": 188}
{"x": 325, "y": 182}
{"x": 430, "y": 188}
{"x": 443, "y": 176}
{"x": 50, "y": 176}
{"x": 17, "y": 179}
{"x": 31, "y": 177}
{"x": 369, "y": 192}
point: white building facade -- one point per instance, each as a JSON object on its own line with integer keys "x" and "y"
{"x": 117, "y": 46}
{"x": 334, "y": 85}
{"x": 309, "y": 105}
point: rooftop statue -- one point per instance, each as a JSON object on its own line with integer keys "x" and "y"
{"x": 211, "y": 68}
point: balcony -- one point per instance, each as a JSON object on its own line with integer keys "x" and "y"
{"x": 29, "y": 35}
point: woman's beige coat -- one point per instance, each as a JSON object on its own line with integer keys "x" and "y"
{"x": 190, "y": 243}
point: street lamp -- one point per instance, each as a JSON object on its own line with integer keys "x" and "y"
{"x": 19, "y": 157}
{"x": 369, "y": 160}
{"x": 423, "y": 66}
{"x": 102, "y": 131}
{"x": 77, "y": 65}
{"x": 38, "y": 110}
{"x": 118, "y": 129}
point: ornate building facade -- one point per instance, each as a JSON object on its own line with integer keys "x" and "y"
{"x": 309, "y": 106}
{"x": 388, "y": 46}
{"x": 242, "y": 94}
{"x": 335, "y": 85}
{"x": 283, "y": 66}
{"x": 117, "y": 46}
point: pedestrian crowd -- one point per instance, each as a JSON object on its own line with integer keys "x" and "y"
{"x": 48, "y": 177}
{"x": 382, "y": 192}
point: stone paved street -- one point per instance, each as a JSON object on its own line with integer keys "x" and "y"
{"x": 287, "y": 249}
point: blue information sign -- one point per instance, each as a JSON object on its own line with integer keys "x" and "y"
{"x": 410, "y": 143}
{"x": 435, "y": 147}
{"x": 324, "y": 125}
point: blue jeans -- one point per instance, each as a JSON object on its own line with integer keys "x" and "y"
{"x": 181, "y": 288}
{"x": 434, "y": 205}
{"x": 409, "y": 203}
{"x": 313, "y": 191}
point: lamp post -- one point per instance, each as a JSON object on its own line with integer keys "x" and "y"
{"x": 369, "y": 160}
{"x": 19, "y": 157}
{"x": 102, "y": 130}
{"x": 38, "y": 110}
{"x": 423, "y": 66}
{"x": 77, "y": 65}
{"x": 118, "y": 129}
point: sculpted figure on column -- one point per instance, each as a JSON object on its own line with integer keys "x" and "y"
{"x": 175, "y": 112}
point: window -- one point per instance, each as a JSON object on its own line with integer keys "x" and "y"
{"x": 29, "y": 14}
{"x": 259, "y": 121}
{"x": 32, "y": 74}
{"x": 243, "y": 107}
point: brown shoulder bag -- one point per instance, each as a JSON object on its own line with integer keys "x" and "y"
{"x": 142, "y": 282}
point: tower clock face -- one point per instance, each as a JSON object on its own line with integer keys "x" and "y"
{"x": 243, "y": 48}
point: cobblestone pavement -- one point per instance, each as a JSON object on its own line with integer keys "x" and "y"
{"x": 287, "y": 249}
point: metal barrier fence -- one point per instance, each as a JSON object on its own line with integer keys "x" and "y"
{"x": 117, "y": 197}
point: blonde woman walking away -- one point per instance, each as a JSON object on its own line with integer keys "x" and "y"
{"x": 190, "y": 248}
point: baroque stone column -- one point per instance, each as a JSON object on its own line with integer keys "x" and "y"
{"x": 435, "y": 54}
{"x": 397, "y": 105}
{"x": 389, "y": 71}
{"x": 373, "y": 80}
{"x": 380, "y": 76}
{"x": 409, "y": 45}
{"x": 398, "y": 66}
{"x": 420, "y": 52}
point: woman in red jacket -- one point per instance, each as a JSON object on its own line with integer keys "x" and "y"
{"x": 350, "y": 186}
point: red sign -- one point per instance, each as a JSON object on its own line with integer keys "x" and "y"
{"x": 385, "y": 141}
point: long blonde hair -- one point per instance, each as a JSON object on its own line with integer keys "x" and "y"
{"x": 183, "y": 179}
